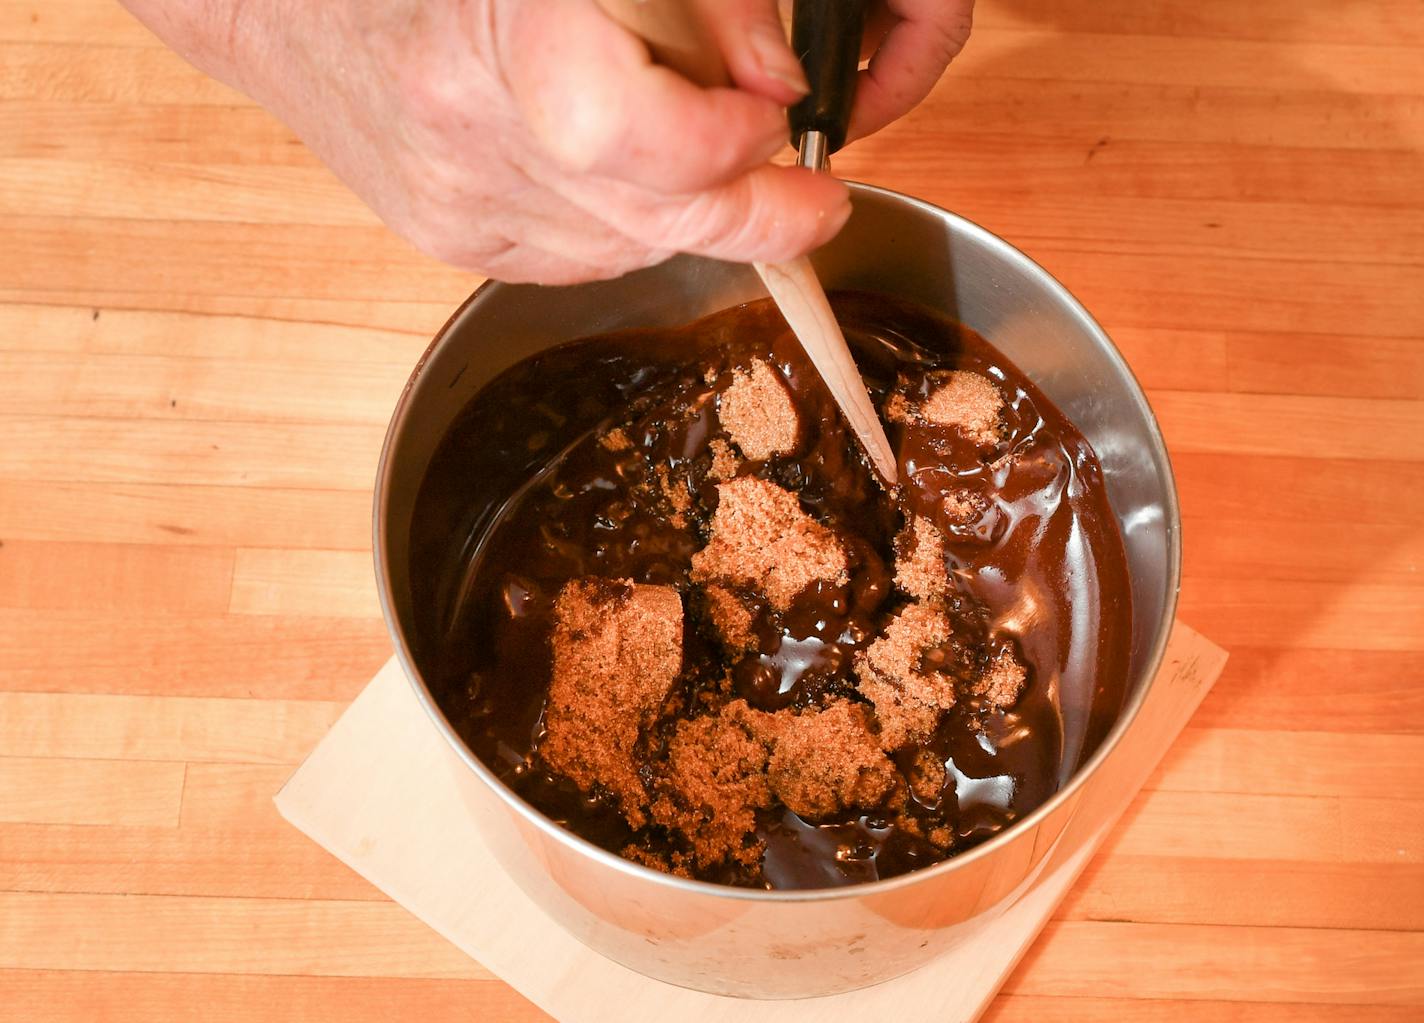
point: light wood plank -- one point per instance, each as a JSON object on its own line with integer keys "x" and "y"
{"x": 1292, "y": 763}
{"x": 1051, "y": 1009}
{"x": 1266, "y": 362}
{"x": 177, "y": 514}
{"x": 134, "y": 578}
{"x": 219, "y": 656}
{"x": 1314, "y": 364}
{"x": 233, "y": 795}
{"x": 290, "y": 330}
{"x": 1242, "y": 294}
{"x": 1262, "y": 549}
{"x": 314, "y": 456}
{"x": 1292, "y": 425}
{"x": 1268, "y": 964}
{"x": 1352, "y": 692}
{"x": 1309, "y": 615}
{"x": 240, "y": 193}
{"x": 275, "y": 582}
{"x": 1383, "y": 21}
{"x": 196, "y": 935}
{"x": 181, "y": 388}
{"x": 1006, "y": 163}
{"x": 1324, "y": 119}
{"x": 1314, "y": 829}
{"x": 1345, "y": 490}
{"x": 123, "y": 727}
{"x": 72, "y": 21}
{"x": 107, "y": 74}
{"x": 1248, "y": 893}
{"x": 41, "y": 790}
{"x": 1200, "y": 227}
{"x": 254, "y": 862}
{"x": 59, "y": 996}
{"x": 1051, "y": 55}
{"x": 59, "y": 253}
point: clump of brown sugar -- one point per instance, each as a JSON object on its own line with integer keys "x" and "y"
{"x": 616, "y": 439}
{"x": 716, "y": 780}
{"x": 762, "y": 539}
{"x": 1002, "y": 683}
{"x": 968, "y": 402}
{"x": 757, "y": 412}
{"x": 725, "y": 462}
{"x": 828, "y": 761}
{"x": 731, "y": 617}
{"x": 908, "y": 699}
{"x": 926, "y": 776}
{"x": 617, "y": 648}
{"x": 921, "y": 568}
{"x": 675, "y": 493}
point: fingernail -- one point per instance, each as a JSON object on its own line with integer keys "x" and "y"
{"x": 776, "y": 59}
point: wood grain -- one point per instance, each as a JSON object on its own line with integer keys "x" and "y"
{"x": 60, "y": 790}
{"x": 202, "y": 333}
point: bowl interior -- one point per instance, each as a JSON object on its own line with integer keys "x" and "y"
{"x": 893, "y": 245}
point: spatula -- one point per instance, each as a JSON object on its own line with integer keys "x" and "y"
{"x": 826, "y": 35}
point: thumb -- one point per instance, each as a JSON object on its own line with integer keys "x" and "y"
{"x": 753, "y": 43}
{"x": 769, "y": 215}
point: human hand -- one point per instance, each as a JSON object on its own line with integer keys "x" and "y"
{"x": 534, "y": 140}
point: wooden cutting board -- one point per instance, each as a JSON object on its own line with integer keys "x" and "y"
{"x": 378, "y": 792}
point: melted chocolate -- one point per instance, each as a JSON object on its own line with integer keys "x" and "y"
{"x": 521, "y": 497}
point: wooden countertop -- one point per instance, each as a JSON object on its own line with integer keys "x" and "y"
{"x": 202, "y": 334}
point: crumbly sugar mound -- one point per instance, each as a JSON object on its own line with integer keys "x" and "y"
{"x": 1002, "y": 684}
{"x": 716, "y": 780}
{"x": 731, "y": 618}
{"x": 908, "y": 700}
{"x": 617, "y": 648}
{"x": 921, "y": 568}
{"x": 762, "y": 539}
{"x": 725, "y": 462}
{"x": 757, "y": 413}
{"x": 926, "y": 777}
{"x": 828, "y": 761}
{"x": 967, "y": 402}
{"x": 616, "y": 439}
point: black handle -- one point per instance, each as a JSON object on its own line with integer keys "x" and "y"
{"x": 826, "y": 36}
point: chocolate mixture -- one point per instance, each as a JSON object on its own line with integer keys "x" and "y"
{"x": 669, "y": 604}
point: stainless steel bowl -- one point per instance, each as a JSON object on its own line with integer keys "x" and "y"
{"x": 791, "y": 944}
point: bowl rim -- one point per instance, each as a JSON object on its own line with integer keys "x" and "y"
{"x": 1011, "y": 257}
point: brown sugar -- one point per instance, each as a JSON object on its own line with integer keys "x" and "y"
{"x": 732, "y": 619}
{"x": 926, "y": 777}
{"x": 616, "y": 439}
{"x": 725, "y": 462}
{"x": 908, "y": 700}
{"x": 968, "y": 402}
{"x": 921, "y": 569}
{"x": 676, "y": 494}
{"x": 716, "y": 780}
{"x": 756, "y": 411}
{"x": 828, "y": 761}
{"x": 761, "y": 538}
{"x": 617, "y": 648}
{"x": 898, "y": 408}
{"x": 1003, "y": 682}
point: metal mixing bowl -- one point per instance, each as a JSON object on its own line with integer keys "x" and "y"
{"x": 788, "y": 944}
